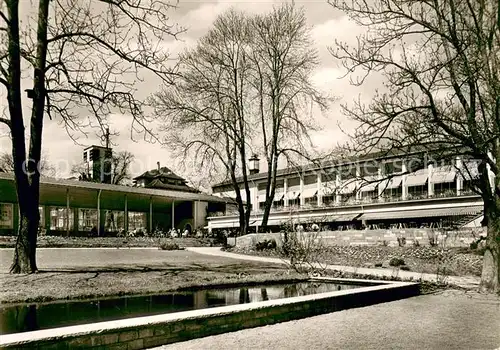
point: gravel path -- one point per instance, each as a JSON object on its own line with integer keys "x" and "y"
{"x": 469, "y": 282}
{"x": 449, "y": 320}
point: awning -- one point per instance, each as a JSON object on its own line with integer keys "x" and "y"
{"x": 348, "y": 187}
{"x": 417, "y": 178}
{"x": 422, "y": 213}
{"x": 279, "y": 194}
{"x": 310, "y": 192}
{"x": 369, "y": 184}
{"x": 393, "y": 182}
{"x": 292, "y": 195}
{"x": 442, "y": 175}
{"x": 346, "y": 217}
{"x": 328, "y": 190}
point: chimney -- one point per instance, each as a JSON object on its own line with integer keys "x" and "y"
{"x": 158, "y": 163}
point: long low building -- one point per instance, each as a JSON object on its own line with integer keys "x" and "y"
{"x": 375, "y": 192}
{"x": 71, "y": 207}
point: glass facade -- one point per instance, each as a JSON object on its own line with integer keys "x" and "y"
{"x": 59, "y": 219}
{"x": 87, "y": 219}
{"x": 6, "y": 215}
{"x": 137, "y": 220}
{"x": 114, "y": 221}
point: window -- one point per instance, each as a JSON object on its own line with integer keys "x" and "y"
{"x": 310, "y": 180}
{"x": 59, "y": 218}
{"x": 311, "y": 200}
{"x": 94, "y": 154}
{"x": 445, "y": 189}
{"x": 87, "y": 219}
{"x": 6, "y": 215}
{"x": 329, "y": 199}
{"x": 278, "y": 204}
{"x": 136, "y": 220}
{"x": 348, "y": 171}
{"x": 41, "y": 223}
{"x": 417, "y": 192}
{"x": 369, "y": 195}
{"x": 115, "y": 221}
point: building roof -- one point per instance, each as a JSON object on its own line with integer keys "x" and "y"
{"x": 163, "y": 172}
{"x": 157, "y": 183}
{"x": 96, "y": 146}
{"x": 171, "y": 194}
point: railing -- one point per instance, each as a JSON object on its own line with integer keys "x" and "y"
{"x": 334, "y": 204}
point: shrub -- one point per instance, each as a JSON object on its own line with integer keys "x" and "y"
{"x": 405, "y": 268}
{"x": 303, "y": 250}
{"x": 266, "y": 245}
{"x": 271, "y": 244}
{"x": 476, "y": 245}
{"x": 433, "y": 240}
{"x": 401, "y": 241}
{"x": 396, "y": 262}
{"x": 169, "y": 246}
{"x": 378, "y": 264}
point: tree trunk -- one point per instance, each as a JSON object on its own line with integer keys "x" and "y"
{"x": 247, "y": 218}
{"x": 242, "y": 219}
{"x": 265, "y": 216}
{"x": 25, "y": 249}
{"x": 490, "y": 276}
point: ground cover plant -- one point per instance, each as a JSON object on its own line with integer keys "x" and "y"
{"x": 422, "y": 259}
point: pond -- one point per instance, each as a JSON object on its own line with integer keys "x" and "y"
{"x": 30, "y": 317}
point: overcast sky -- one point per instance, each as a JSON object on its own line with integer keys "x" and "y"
{"x": 197, "y": 16}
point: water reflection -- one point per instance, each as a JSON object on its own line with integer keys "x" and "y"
{"x": 23, "y": 318}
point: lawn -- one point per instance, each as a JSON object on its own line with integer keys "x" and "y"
{"x": 88, "y": 273}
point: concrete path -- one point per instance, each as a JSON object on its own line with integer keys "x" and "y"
{"x": 448, "y": 320}
{"x": 469, "y": 282}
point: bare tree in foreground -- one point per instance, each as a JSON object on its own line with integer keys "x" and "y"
{"x": 283, "y": 60}
{"x": 245, "y": 86}
{"x": 441, "y": 62}
{"x": 83, "y": 57}
{"x": 206, "y": 110}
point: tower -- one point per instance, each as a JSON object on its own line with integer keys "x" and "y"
{"x": 97, "y": 160}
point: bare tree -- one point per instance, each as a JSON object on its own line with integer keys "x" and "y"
{"x": 44, "y": 166}
{"x": 246, "y": 83}
{"x": 120, "y": 168}
{"x": 206, "y": 110}
{"x": 83, "y": 56}
{"x": 441, "y": 62}
{"x": 283, "y": 60}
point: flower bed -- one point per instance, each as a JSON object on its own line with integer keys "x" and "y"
{"x": 108, "y": 242}
{"x": 425, "y": 259}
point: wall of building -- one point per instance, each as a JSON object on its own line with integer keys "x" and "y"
{"x": 449, "y": 239}
{"x": 347, "y": 181}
